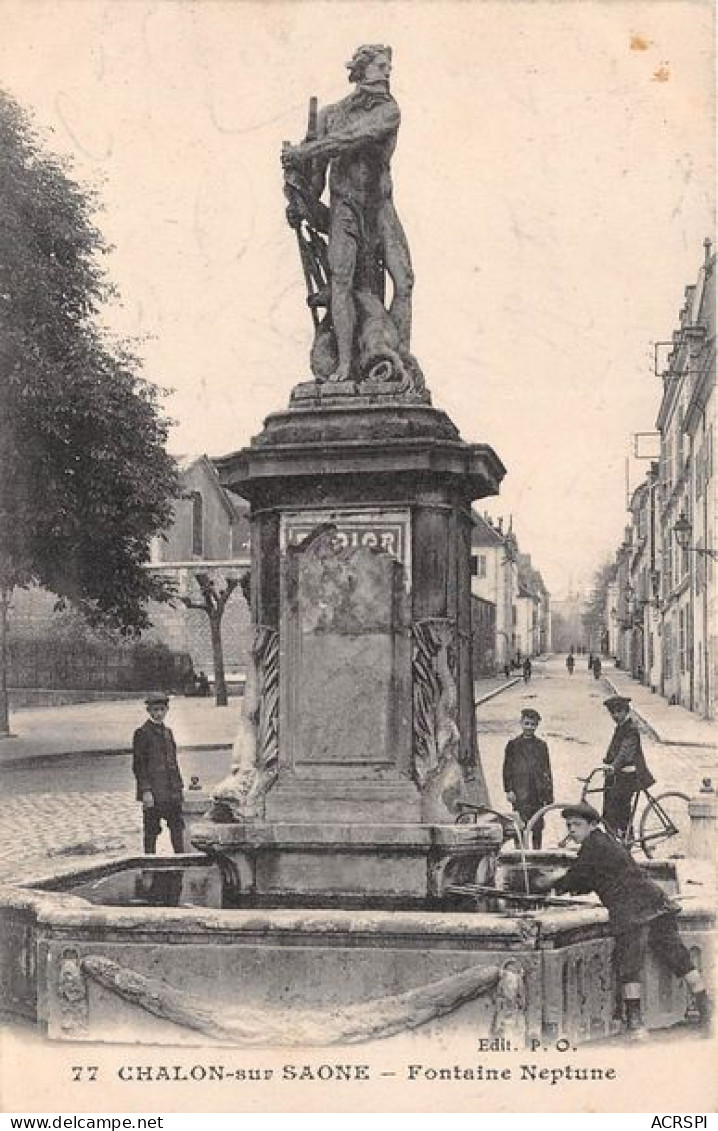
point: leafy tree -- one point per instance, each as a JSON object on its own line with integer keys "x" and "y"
{"x": 594, "y": 611}
{"x": 86, "y": 480}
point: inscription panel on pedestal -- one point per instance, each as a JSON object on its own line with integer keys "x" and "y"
{"x": 346, "y": 603}
{"x": 373, "y": 528}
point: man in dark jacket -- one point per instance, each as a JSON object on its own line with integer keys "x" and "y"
{"x": 159, "y": 783}
{"x": 527, "y": 773}
{"x": 627, "y": 772}
{"x": 640, "y": 914}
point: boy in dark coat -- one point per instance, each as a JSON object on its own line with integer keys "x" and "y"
{"x": 627, "y": 772}
{"x": 159, "y": 783}
{"x": 640, "y": 914}
{"x": 527, "y": 773}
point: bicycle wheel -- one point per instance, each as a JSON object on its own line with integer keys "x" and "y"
{"x": 665, "y": 826}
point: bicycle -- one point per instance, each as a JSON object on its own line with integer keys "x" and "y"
{"x": 664, "y": 819}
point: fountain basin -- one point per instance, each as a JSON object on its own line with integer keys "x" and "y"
{"x": 158, "y": 974}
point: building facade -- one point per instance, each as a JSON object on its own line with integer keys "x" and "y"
{"x": 210, "y": 535}
{"x": 491, "y": 582}
{"x": 661, "y": 608}
{"x": 507, "y": 579}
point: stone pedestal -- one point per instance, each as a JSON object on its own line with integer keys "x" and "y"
{"x": 300, "y": 863}
{"x": 361, "y": 552}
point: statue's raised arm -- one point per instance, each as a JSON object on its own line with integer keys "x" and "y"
{"x": 348, "y": 250}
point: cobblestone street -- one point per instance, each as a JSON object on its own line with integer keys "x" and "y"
{"x": 48, "y": 826}
{"x": 45, "y": 828}
{"x": 577, "y": 728}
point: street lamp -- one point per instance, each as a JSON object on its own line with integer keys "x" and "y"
{"x": 683, "y": 530}
{"x": 655, "y": 580}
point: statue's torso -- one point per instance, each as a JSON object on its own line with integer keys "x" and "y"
{"x": 361, "y": 173}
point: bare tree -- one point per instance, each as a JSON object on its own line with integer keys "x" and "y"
{"x": 213, "y": 603}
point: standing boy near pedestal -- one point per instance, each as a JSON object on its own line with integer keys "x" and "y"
{"x": 527, "y": 772}
{"x": 159, "y": 783}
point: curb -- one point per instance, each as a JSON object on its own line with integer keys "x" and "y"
{"x": 652, "y": 730}
{"x": 63, "y": 755}
{"x": 497, "y": 691}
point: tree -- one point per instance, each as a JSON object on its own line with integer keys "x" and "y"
{"x": 86, "y": 479}
{"x": 213, "y": 603}
{"x": 594, "y": 611}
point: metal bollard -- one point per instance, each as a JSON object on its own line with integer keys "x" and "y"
{"x": 703, "y": 810}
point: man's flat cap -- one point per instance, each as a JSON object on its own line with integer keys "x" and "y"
{"x": 155, "y": 697}
{"x": 581, "y": 810}
{"x": 620, "y": 702}
{"x": 530, "y": 713}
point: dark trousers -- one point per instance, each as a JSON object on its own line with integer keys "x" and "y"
{"x": 151, "y": 826}
{"x": 617, "y": 800}
{"x": 537, "y": 834}
{"x": 661, "y": 936}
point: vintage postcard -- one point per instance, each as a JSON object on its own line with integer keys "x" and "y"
{"x": 406, "y": 800}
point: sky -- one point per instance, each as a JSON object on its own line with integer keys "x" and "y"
{"x": 554, "y": 175}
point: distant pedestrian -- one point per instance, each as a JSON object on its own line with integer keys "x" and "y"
{"x": 507, "y": 668}
{"x": 527, "y": 773}
{"x": 159, "y": 783}
{"x": 590, "y": 661}
{"x": 527, "y": 669}
{"x": 596, "y": 667}
{"x": 570, "y": 664}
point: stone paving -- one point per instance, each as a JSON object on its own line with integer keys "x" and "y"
{"x": 40, "y": 831}
{"x": 578, "y": 729}
{"x": 108, "y": 725}
{"x": 672, "y": 724}
{"x": 47, "y": 828}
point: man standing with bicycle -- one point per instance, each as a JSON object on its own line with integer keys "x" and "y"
{"x": 626, "y": 769}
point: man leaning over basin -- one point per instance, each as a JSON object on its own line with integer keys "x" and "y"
{"x": 640, "y": 914}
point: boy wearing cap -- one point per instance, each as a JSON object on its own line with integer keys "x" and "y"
{"x": 159, "y": 783}
{"x": 626, "y": 769}
{"x": 640, "y": 914}
{"x": 527, "y": 773}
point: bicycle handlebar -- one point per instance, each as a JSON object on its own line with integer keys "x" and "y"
{"x": 602, "y": 769}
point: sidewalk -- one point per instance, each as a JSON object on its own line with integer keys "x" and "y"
{"x": 485, "y": 689}
{"x": 107, "y": 726}
{"x": 671, "y": 725}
